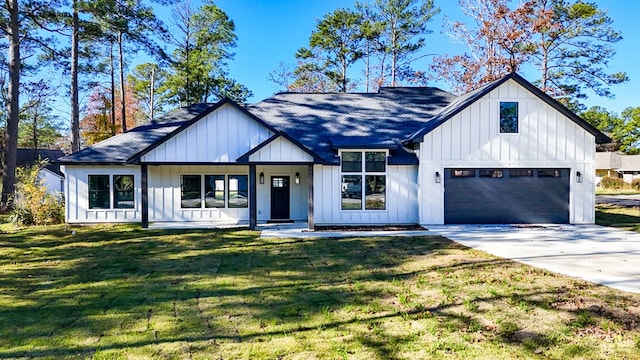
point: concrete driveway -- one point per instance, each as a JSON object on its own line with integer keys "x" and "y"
{"x": 594, "y": 253}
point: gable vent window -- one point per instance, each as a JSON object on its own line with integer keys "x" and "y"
{"x": 368, "y": 184}
{"x": 508, "y": 117}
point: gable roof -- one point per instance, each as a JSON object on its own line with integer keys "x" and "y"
{"x": 129, "y": 147}
{"x": 245, "y": 157}
{"x": 469, "y": 98}
{"x": 322, "y": 122}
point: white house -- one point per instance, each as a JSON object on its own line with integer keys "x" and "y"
{"x": 504, "y": 153}
{"x": 50, "y": 174}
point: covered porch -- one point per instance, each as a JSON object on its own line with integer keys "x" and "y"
{"x": 274, "y": 192}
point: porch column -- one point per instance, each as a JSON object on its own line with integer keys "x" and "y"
{"x": 310, "y": 216}
{"x": 253, "y": 197}
{"x": 145, "y": 196}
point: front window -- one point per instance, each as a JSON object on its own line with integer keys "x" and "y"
{"x": 238, "y": 191}
{"x": 99, "y": 192}
{"x": 190, "y": 191}
{"x": 123, "y": 192}
{"x": 508, "y": 117}
{"x": 214, "y": 191}
{"x": 371, "y": 181}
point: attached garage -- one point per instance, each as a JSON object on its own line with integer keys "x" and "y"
{"x": 506, "y": 196}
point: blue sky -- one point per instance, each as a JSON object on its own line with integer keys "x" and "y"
{"x": 271, "y": 31}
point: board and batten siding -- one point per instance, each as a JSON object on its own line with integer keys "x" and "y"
{"x": 76, "y": 191}
{"x": 472, "y": 139}
{"x": 222, "y": 136}
{"x": 280, "y": 150}
{"x": 165, "y": 197}
{"x": 401, "y": 206}
{"x": 298, "y": 193}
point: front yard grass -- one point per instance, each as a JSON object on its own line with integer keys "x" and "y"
{"x": 121, "y": 292}
{"x": 626, "y": 218}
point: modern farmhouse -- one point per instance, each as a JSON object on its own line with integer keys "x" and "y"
{"x": 503, "y": 153}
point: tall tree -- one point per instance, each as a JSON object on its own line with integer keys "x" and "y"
{"x": 497, "y": 42}
{"x": 38, "y": 127}
{"x": 96, "y": 125}
{"x": 572, "y": 46}
{"x": 405, "y": 24}
{"x": 629, "y": 135}
{"x": 147, "y": 81}
{"x": 609, "y": 123}
{"x": 128, "y": 23}
{"x": 338, "y": 39}
{"x": 11, "y": 28}
{"x": 18, "y": 25}
{"x": 203, "y": 38}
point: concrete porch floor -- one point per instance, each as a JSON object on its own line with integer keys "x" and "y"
{"x": 286, "y": 230}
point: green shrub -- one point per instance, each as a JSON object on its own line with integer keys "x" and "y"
{"x": 635, "y": 184}
{"x": 32, "y": 204}
{"x": 612, "y": 183}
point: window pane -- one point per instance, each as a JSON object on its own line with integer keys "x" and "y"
{"x": 508, "y": 117}
{"x": 99, "y": 192}
{"x": 351, "y": 192}
{"x": 190, "y": 194}
{"x": 375, "y": 198}
{"x": 463, "y": 173}
{"x": 123, "y": 192}
{"x": 214, "y": 191}
{"x": 515, "y": 173}
{"x": 375, "y": 161}
{"x": 351, "y": 161}
{"x": 491, "y": 173}
{"x": 238, "y": 191}
{"x": 553, "y": 173}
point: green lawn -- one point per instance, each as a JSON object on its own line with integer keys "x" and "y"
{"x": 120, "y": 292}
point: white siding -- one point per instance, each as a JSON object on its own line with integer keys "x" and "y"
{"x": 76, "y": 191}
{"x": 52, "y": 181}
{"x": 164, "y": 195}
{"x": 280, "y": 150}
{"x": 222, "y": 136}
{"x": 546, "y": 138}
{"x": 299, "y": 193}
{"x": 401, "y": 206}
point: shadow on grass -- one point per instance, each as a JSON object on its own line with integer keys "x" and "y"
{"x": 122, "y": 288}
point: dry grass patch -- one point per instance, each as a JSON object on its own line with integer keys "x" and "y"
{"x": 120, "y": 292}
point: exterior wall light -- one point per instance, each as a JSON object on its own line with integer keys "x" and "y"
{"x": 578, "y": 177}
{"x": 297, "y": 178}
{"x": 261, "y": 178}
{"x": 438, "y": 179}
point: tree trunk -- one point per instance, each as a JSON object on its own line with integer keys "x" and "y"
{"x": 151, "y": 92}
{"x": 113, "y": 90}
{"x": 123, "y": 106}
{"x": 11, "y": 137}
{"x": 75, "y": 106}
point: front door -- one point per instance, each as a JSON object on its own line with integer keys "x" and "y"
{"x": 280, "y": 197}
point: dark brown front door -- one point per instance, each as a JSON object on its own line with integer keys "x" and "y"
{"x": 280, "y": 197}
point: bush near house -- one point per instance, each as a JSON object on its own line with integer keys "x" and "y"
{"x": 611, "y": 183}
{"x": 33, "y": 205}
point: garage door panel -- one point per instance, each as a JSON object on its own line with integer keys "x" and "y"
{"x": 506, "y": 199}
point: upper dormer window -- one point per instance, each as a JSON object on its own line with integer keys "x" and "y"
{"x": 508, "y": 117}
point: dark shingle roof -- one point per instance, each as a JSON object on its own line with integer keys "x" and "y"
{"x": 26, "y": 157}
{"x": 462, "y": 102}
{"x": 319, "y": 121}
{"x": 393, "y": 118}
{"x": 123, "y": 147}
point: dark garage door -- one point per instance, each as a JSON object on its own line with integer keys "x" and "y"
{"x": 506, "y": 196}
